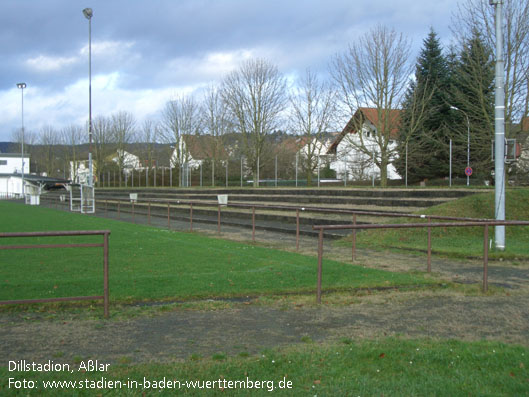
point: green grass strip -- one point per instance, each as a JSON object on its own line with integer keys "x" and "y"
{"x": 462, "y": 241}
{"x": 389, "y": 367}
{"x": 155, "y": 264}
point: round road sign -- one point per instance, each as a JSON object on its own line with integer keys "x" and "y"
{"x": 468, "y": 171}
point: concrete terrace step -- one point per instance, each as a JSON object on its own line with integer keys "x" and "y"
{"x": 271, "y": 219}
{"x": 342, "y": 192}
{"x": 405, "y": 200}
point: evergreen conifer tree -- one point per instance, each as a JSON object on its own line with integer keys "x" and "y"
{"x": 473, "y": 94}
{"x": 426, "y": 116}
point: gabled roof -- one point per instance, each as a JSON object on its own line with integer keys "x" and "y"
{"x": 201, "y": 147}
{"x": 372, "y": 115}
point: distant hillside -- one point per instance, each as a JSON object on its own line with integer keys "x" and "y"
{"x": 5, "y": 147}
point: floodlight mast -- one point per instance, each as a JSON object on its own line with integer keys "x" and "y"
{"x": 22, "y": 86}
{"x": 499, "y": 128}
{"x": 88, "y": 13}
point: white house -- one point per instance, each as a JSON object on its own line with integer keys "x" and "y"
{"x": 361, "y": 130}
{"x": 130, "y": 161}
{"x": 11, "y": 163}
{"x": 194, "y": 150}
{"x": 314, "y": 147}
{"x": 11, "y": 174}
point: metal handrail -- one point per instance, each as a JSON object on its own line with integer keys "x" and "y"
{"x": 104, "y": 245}
{"x": 484, "y": 224}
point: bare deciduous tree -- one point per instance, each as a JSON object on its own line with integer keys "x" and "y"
{"x": 71, "y": 136}
{"x": 122, "y": 133}
{"x": 216, "y": 124}
{"x": 149, "y": 136}
{"x": 49, "y": 139}
{"x": 255, "y": 97}
{"x": 180, "y": 119}
{"x": 374, "y": 73}
{"x": 312, "y": 111}
{"x": 102, "y": 137}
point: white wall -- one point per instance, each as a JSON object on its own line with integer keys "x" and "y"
{"x": 359, "y": 165}
{"x": 13, "y": 165}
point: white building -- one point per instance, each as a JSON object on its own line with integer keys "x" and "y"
{"x": 11, "y": 185}
{"x": 11, "y": 174}
{"x": 362, "y": 131}
{"x": 129, "y": 161}
{"x": 11, "y": 163}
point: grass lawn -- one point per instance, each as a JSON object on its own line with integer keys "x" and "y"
{"x": 389, "y": 367}
{"x": 460, "y": 242}
{"x": 155, "y": 264}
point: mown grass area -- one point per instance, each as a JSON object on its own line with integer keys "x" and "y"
{"x": 462, "y": 241}
{"x": 155, "y": 264}
{"x": 389, "y": 367}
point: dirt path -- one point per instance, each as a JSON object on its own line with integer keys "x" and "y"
{"x": 250, "y": 328}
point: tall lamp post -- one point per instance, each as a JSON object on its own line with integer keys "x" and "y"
{"x": 468, "y": 140}
{"x": 22, "y": 86}
{"x": 87, "y": 12}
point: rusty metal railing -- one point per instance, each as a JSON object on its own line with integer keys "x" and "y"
{"x": 133, "y": 209}
{"x": 485, "y": 224}
{"x": 104, "y": 245}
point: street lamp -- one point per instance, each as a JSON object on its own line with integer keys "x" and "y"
{"x": 87, "y": 12}
{"x": 468, "y": 141}
{"x": 22, "y": 86}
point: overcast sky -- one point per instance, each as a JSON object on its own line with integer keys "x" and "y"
{"x": 146, "y": 52}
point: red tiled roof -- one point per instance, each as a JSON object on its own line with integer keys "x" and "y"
{"x": 202, "y": 147}
{"x": 371, "y": 115}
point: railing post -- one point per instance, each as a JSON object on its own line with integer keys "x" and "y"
{"x": 253, "y": 224}
{"x": 133, "y": 213}
{"x": 320, "y": 259}
{"x": 149, "y": 213}
{"x": 218, "y": 220}
{"x": 485, "y": 257}
{"x": 190, "y": 217}
{"x": 168, "y": 216}
{"x": 297, "y": 229}
{"x": 105, "y": 275}
{"x": 106, "y": 208}
{"x": 353, "y": 254}
{"x": 429, "y": 265}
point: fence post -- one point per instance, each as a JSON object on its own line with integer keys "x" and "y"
{"x": 105, "y": 275}
{"x": 168, "y": 216}
{"x": 485, "y": 257}
{"x": 190, "y": 217}
{"x": 106, "y": 209}
{"x": 119, "y": 213}
{"x": 297, "y": 229}
{"x": 320, "y": 259}
{"x": 149, "y": 213}
{"x": 218, "y": 220}
{"x": 353, "y": 254}
{"x": 253, "y": 224}
{"x": 429, "y": 266}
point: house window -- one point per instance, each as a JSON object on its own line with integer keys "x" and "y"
{"x": 3, "y": 162}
